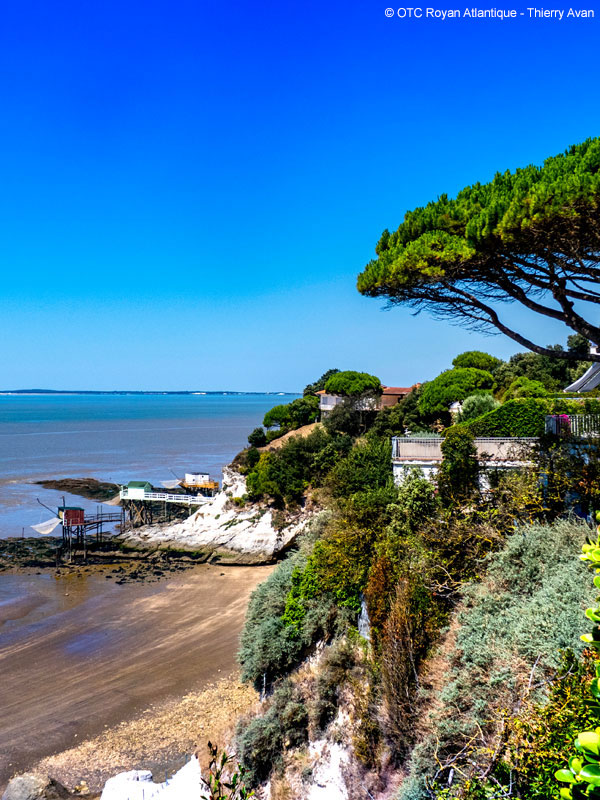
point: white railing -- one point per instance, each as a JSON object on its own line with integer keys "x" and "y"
{"x": 165, "y": 497}
{"x": 573, "y": 424}
{"x": 414, "y": 448}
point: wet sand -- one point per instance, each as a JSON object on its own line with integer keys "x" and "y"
{"x": 86, "y": 654}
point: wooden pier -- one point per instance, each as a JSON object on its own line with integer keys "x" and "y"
{"x": 76, "y": 527}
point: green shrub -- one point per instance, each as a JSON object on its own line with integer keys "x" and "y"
{"x": 341, "y": 560}
{"x": 334, "y": 667}
{"x": 540, "y": 738}
{"x": 476, "y": 405}
{"x": 225, "y": 779}
{"x": 257, "y": 438}
{"x": 526, "y": 417}
{"x": 252, "y": 457}
{"x": 305, "y": 586}
{"x": 344, "y": 419}
{"x": 416, "y": 500}
{"x": 368, "y": 509}
{"x": 267, "y": 648}
{"x": 259, "y": 747}
{"x": 284, "y": 474}
{"x": 368, "y": 464}
{"x": 262, "y": 742}
{"x": 276, "y": 636}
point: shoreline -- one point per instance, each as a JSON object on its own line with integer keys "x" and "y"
{"x": 95, "y": 654}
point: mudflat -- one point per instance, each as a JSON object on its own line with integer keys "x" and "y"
{"x": 79, "y": 654}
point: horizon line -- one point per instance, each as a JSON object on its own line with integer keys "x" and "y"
{"x": 5, "y": 392}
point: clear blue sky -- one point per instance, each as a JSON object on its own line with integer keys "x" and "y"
{"x": 189, "y": 189}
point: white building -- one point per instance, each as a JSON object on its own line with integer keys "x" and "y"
{"x": 425, "y": 453}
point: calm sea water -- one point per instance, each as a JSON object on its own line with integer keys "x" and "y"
{"x": 115, "y": 438}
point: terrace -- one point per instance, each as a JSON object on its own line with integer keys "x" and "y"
{"x": 417, "y": 449}
{"x": 497, "y": 452}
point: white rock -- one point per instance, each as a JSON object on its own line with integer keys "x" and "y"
{"x": 187, "y": 784}
{"x": 215, "y": 526}
{"x": 328, "y": 780}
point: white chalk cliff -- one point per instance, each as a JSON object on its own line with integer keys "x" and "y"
{"x": 221, "y": 526}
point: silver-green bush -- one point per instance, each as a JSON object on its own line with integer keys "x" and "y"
{"x": 525, "y": 611}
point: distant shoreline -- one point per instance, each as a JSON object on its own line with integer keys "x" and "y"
{"x": 38, "y": 392}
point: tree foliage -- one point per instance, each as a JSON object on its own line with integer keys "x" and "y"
{"x": 553, "y": 372}
{"x": 257, "y": 438}
{"x": 453, "y": 384}
{"x": 478, "y": 360}
{"x": 525, "y": 387}
{"x": 531, "y": 237}
{"x": 459, "y": 470}
{"x": 284, "y": 474}
{"x": 345, "y": 418}
{"x": 352, "y": 384}
{"x": 319, "y": 384}
{"x": 290, "y": 416}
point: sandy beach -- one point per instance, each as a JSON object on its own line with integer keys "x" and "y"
{"x": 80, "y": 655}
{"x": 160, "y": 739}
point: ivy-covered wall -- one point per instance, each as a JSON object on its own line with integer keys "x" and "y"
{"x": 526, "y": 417}
{"x": 515, "y": 418}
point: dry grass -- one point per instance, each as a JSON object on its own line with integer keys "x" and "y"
{"x": 305, "y": 430}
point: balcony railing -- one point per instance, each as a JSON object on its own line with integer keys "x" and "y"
{"x": 573, "y": 424}
{"x": 166, "y": 497}
{"x": 509, "y": 448}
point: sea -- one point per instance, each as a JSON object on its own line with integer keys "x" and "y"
{"x": 113, "y": 437}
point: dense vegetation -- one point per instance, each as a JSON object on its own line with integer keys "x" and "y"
{"x": 496, "y": 566}
{"x": 474, "y": 681}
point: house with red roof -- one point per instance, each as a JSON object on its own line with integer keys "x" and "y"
{"x": 390, "y": 396}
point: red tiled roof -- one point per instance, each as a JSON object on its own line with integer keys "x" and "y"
{"x": 397, "y": 389}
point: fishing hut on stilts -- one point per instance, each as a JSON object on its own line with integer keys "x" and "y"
{"x": 76, "y": 527}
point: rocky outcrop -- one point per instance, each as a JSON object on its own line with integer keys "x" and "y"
{"x": 236, "y": 534}
{"x": 35, "y": 787}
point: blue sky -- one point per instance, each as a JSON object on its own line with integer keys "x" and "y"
{"x": 191, "y": 188}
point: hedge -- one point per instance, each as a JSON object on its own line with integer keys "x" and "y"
{"x": 514, "y": 418}
{"x": 526, "y": 416}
